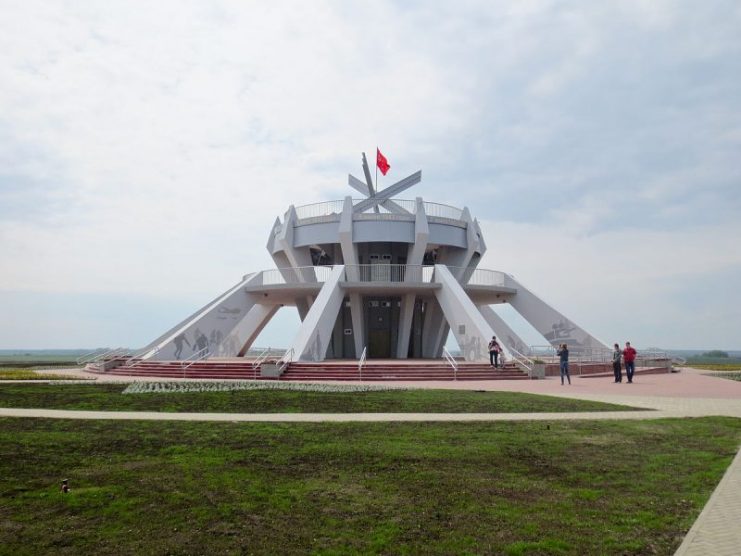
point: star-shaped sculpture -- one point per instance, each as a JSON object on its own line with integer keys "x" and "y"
{"x": 376, "y": 199}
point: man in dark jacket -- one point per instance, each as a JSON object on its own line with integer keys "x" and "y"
{"x": 563, "y": 354}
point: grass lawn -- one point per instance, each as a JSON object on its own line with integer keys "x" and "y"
{"x": 618, "y": 487}
{"x": 716, "y": 366}
{"x": 731, "y": 375}
{"x": 108, "y": 397}
{"x": 29, "y": 374}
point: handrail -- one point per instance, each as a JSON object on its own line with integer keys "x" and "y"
{"x": 91, "y": 355}
{"x": 478, "y": 276}
{"x": 451, "y": 361}
{"x": 293, "y": 275}
{"x": 286, "y": 360}
{"x": 381, "y": 272}
{"x": 361, "y": 362}
{"x": 334, "y": 208}
{"x": 110, "y": 353}
{"x": 388, "y": 273}
{"x": 261, "y": 358}
{"x": 202, "y": 353}
{"x": 138, "y": 356}
{"x": 523, "y": 360}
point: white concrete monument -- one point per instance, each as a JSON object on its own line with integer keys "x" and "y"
{"x": 383, "y": 275}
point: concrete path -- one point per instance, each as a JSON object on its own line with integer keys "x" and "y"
{"x": 690, "y": 393}
{"x": 717, "y": 530}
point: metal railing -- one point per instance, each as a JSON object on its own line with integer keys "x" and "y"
{"x": 136, "y": 359}
{"x": 200, "y": 355}
{"x": 451, "y": 361}
{"x": 522, "y": 360}
{"x": 298, "y": 275}
{"x": 361, "y": 362}
{"x": 324, "y": 208}
{"x": 91, "y": 355}
{"x": 388, "y": 273}
{"x": 260, "y": 359}
{"x": 99, "y": 361}
{"x": 377, "y": 272}
{"x": 285, "y": 360}
{"x": 478, "y": 276}
{"x": 329, "y": 208}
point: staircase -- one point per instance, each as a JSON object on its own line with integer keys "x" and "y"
{"x": 408, "y": 371}
{"x": 387, "y": 370}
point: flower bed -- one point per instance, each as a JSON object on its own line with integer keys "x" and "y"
{"x": 230, "y": 386}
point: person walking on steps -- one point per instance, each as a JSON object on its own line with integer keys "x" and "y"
{"x": 494, "y": 349}
{"x": 629, "y": 357}
{"x": 563, "y": 354}
{"x": 616, "y": 364}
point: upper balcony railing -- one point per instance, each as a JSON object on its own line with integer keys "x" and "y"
{"x": 388, "y": 273}
{"x": 298, "y": 275}
{"x": 381, "y": 273}
{"x": 328, "y": 208}
{"x": 479, "y": 276}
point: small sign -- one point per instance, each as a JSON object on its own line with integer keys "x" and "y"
{"x": 461, "y": 329}
{"x": 348, "y": 331}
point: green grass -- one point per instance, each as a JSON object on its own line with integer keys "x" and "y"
{"x": 729, "y": 375}
{"x": 138, "y": 487}
{"x": 108, "y": 397}
{"x": 30, "y": 374}
{"x": 716, "y": 366}
{"x": 38, "y": 359}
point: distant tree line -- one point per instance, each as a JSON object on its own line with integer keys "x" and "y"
{"x": 715, "y": 353}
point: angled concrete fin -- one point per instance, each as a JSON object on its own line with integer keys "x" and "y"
{"x": 507, "y": 337}
{"x": 244, "y": 334}
{"x": 552, "y": 324}
{"x": 315, "y": 332}
{"x": 468, "y": 325}
{"x": 205, "y": 328}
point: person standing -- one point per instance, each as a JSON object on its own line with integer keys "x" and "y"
{"x": 494, "y": 349}
{"x": 563, "y": 354}
{"x": 616, "y": 364}
{"x": 629, "y": 357}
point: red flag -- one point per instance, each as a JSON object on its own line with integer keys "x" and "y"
{"x": 381, "y": 162}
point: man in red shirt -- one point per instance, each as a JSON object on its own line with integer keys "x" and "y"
{"x": 629, "y": 358}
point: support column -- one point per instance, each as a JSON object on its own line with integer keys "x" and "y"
{"x": 415, "y": 258}
{"x": 283, "y": 238}
{"x": 349, "y": 251}
{"x": 358, "y": 328}
{"x": 406, "y": 317}
{"x": 435, "y": 331}
{"x": 350, "y": 257}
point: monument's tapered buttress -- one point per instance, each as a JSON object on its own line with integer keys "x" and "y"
{"x": 379, "y": 275}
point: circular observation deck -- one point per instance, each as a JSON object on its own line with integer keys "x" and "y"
{"x": 393, "y": 220}
{"x": 282, "y": 284}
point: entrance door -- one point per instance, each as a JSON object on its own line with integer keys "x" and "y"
{"x": 379, "y": 328}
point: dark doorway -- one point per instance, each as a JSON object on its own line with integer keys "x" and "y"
{"x": 380, "y": 325}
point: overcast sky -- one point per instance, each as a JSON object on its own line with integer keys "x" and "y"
{"x": 147, "y": 147}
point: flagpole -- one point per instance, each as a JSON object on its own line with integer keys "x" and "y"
{"x": 376, "y": 168}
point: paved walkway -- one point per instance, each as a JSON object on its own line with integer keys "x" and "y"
{"x": 687, "y": 394}
{"x": 717, "y": 530}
